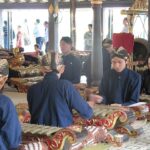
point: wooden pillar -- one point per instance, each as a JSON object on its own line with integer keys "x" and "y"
{"x": 73, "y": 22}
{"x": 96, "y": 58}
{"x": 53, "y": 25}
{"x": 110, "y": 25}
{"x": 1, "y": 29}
{"x": 10, "y": 30}
{"x": 149, "y": 26}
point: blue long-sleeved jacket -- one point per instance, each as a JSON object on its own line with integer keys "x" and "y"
{"x": 106, "y": 60}
{"x": 72, "y": 68}
{"x": 51, "y": 102}
{"x": 122, "y": 88}
{"x": 146, "y": 82}
{"x": 10, "y": 129}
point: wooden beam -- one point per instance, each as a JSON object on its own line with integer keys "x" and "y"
{"x": 134, "y": 12}
{"x": 119, "y": 3}
{"x": 81, "y": 4}
{"x": 24, "y": 5}
{"x": 108, "y": 3}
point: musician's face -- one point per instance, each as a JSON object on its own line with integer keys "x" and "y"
{"x": 2, "y": 81}
{"x": 118, "y": 64}
{"x": 65, "y": 47}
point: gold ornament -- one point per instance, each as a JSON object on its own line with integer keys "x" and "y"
{"x": 140, "y": 5}
{"x": 51, "y": 9}
{"x": 96, "y": 2}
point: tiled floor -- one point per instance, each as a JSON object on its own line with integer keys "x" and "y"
{"x": 16, "y": 97}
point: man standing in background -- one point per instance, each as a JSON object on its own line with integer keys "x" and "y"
{"x": 26, "y": 33}
{"x": 88, "y": 38}
{"x": 125, "y": 25}
{"x": 39, "y": 33}
{"x": 5, "y": 31}
{"x": 46, "y": 38}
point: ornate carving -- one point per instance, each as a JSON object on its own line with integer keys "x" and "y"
{"x": 51, "y": 9}
{"x": 140, "y": 5}
{"x": 128, "y": 129}
{"x": 96, "y": 2}
{"x": 140, "y": 111}
{"x": 54, "y": 142}
{"x": 60, "y": 137}
{"x": 110, "y": 121}
{"x": 116, "y": 139}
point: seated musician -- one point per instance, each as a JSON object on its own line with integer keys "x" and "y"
{"x": 10, "y": 129}
{"x": 120, "y": 85}
{"x": 33, "y": 57}
{"x": 51, "y": 101}
{"x": 72, "y": 63}
{"x": 146, "y": 79}
{"x": 37, "y": 50}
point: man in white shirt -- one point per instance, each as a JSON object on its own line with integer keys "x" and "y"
{"x": 39, "y": 33}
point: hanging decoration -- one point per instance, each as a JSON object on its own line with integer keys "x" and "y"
{"x": 53, "y": 10}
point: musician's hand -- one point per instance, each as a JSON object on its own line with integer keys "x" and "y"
{"x": 94, "y": 99}
{"x": 61, "y": 68}
{"x": 91, "y": 103}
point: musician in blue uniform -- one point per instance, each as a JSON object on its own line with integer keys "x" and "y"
{"x": 120, "y": 85}
{"x": 72, "y": 64}
{"x": 10, "y": 130}
{"x": 107, "y": 50}
{"x": 52, "y": 100}
{"x": 146, "y": 79}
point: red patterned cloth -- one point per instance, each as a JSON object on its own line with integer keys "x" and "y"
{"x": 33, "y": 146}
{"x": 34, "y": 142}
{"x": 94, "y": 135}
{"x": 125, "y": 40}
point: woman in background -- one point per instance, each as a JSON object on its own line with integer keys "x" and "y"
{"x": 19, "y": 42}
